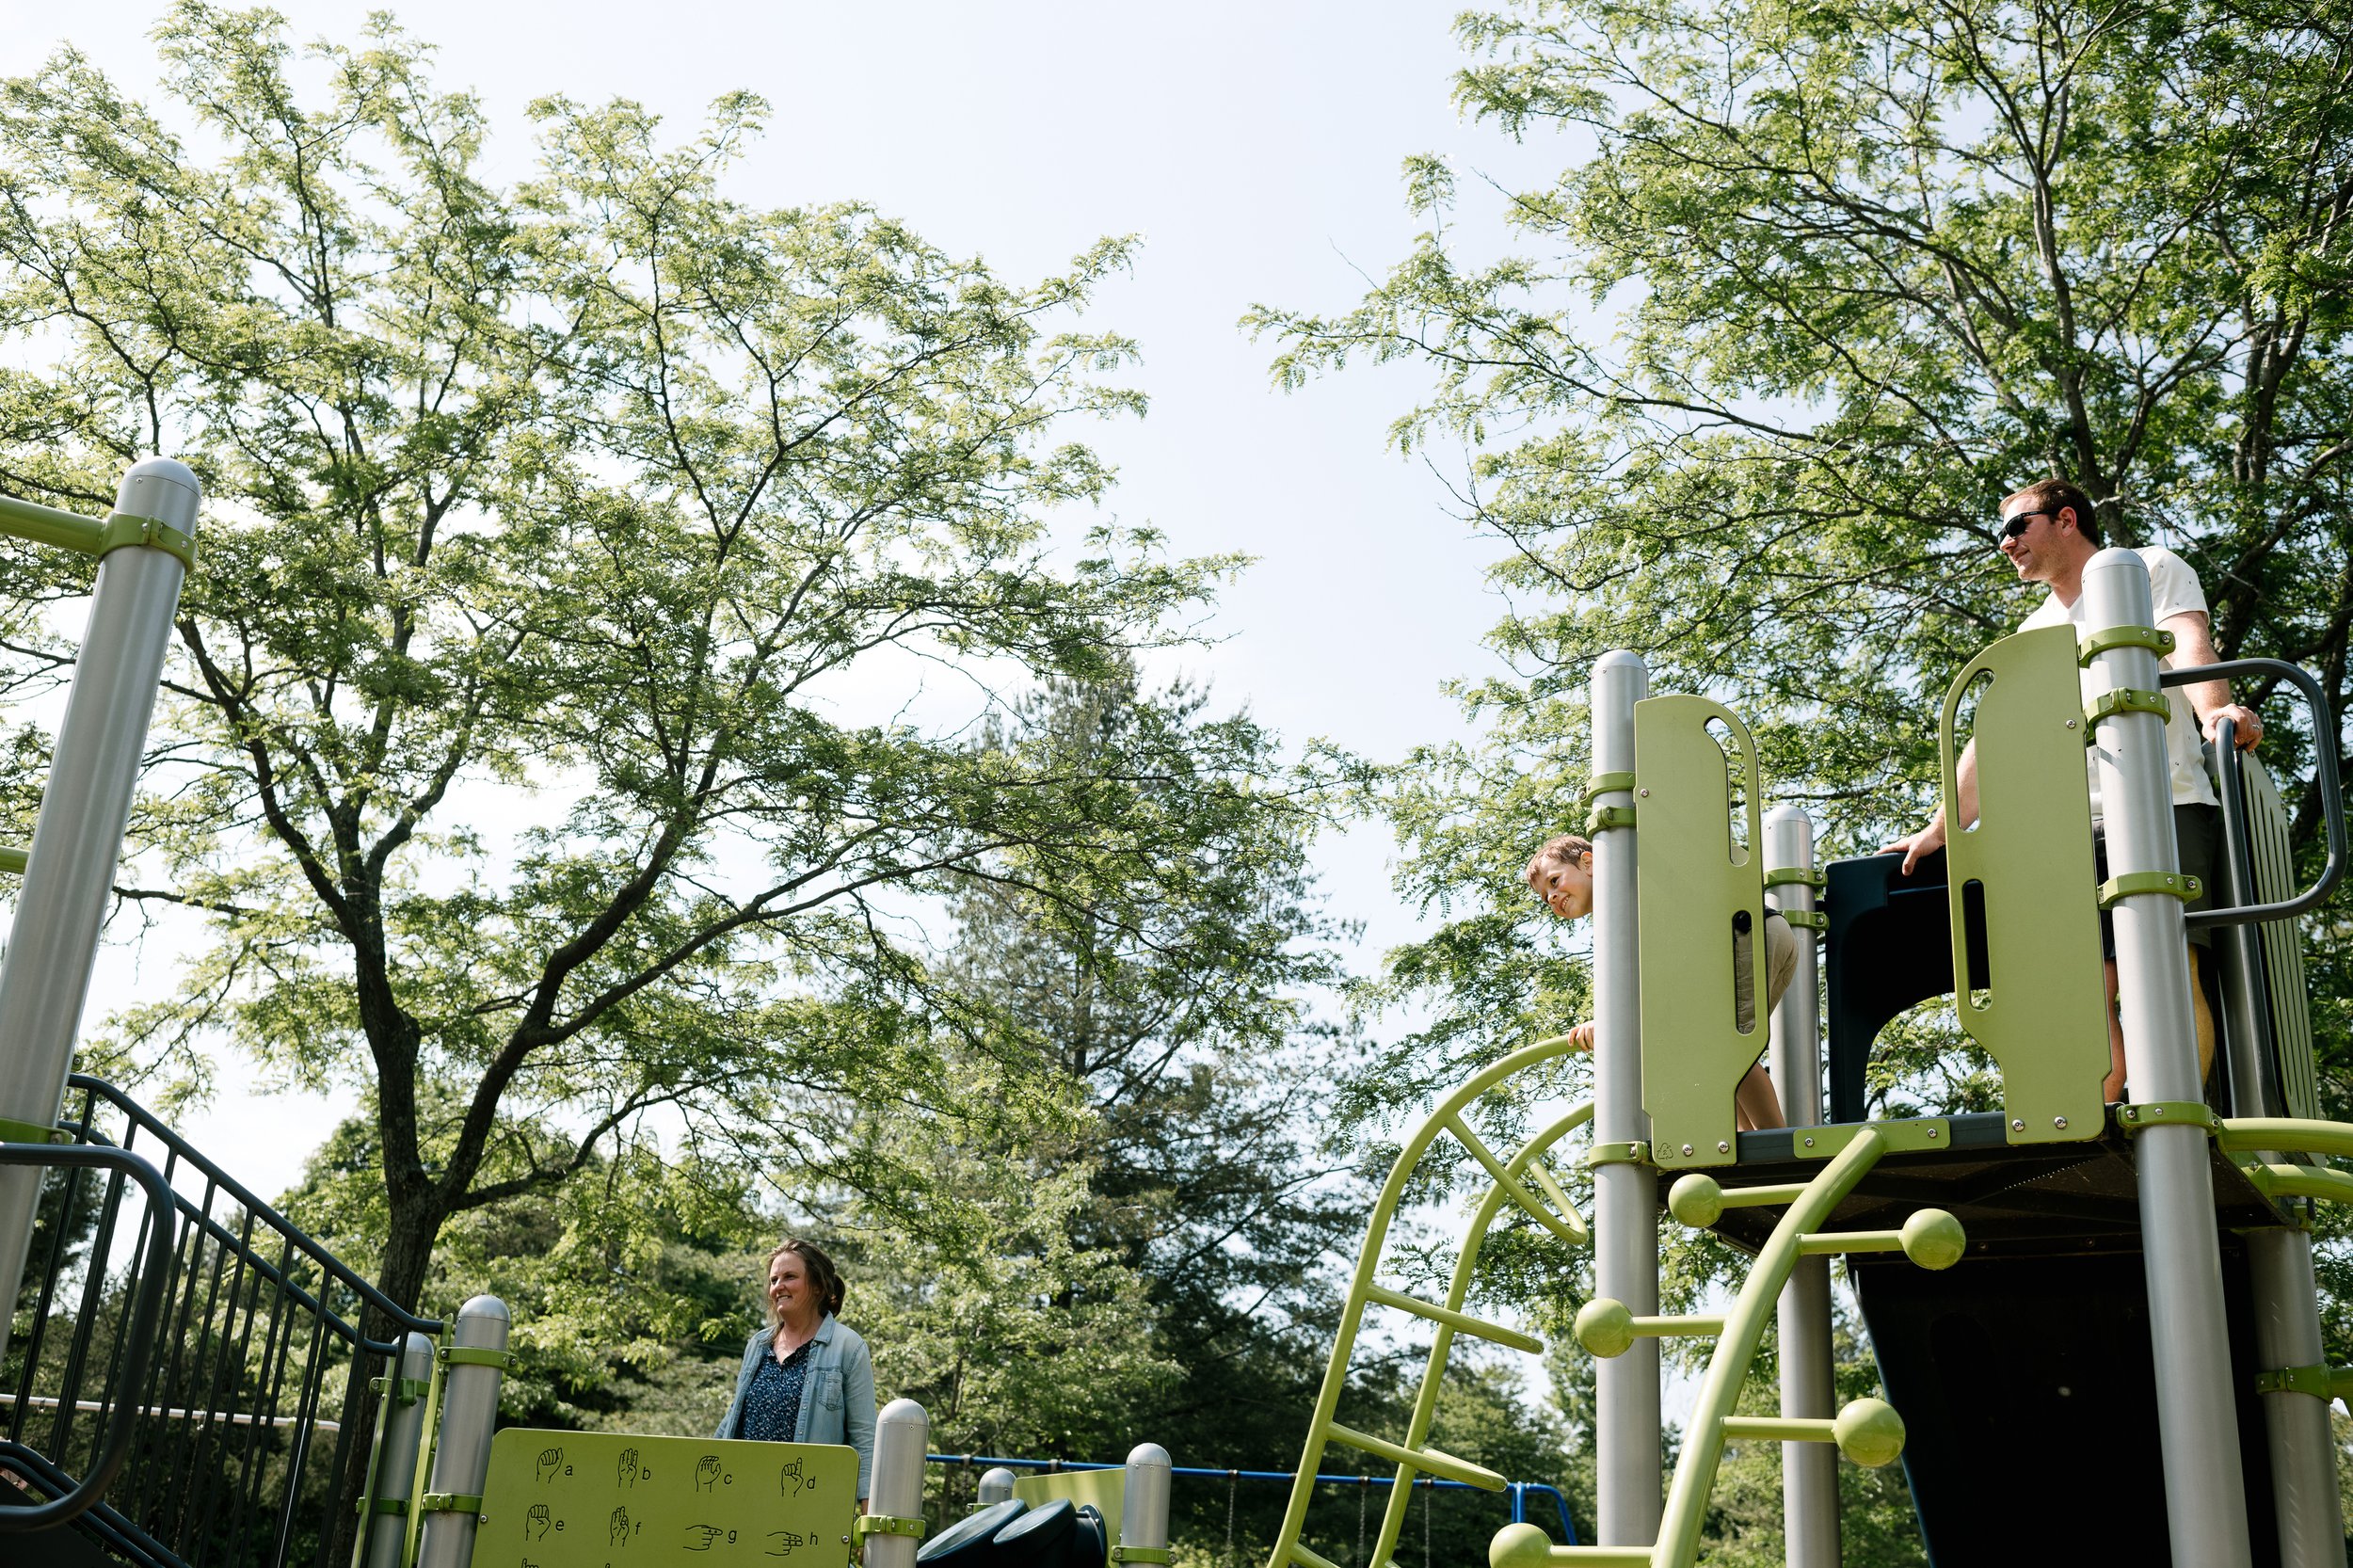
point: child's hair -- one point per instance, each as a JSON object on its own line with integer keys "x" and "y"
{"x": 1564, "y": 850}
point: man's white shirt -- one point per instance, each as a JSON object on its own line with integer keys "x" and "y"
{"x": 2175, "y": 590}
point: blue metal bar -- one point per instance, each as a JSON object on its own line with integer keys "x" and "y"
{"x": 1517, "y": 1489}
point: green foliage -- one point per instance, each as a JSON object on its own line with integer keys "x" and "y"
{"x": 605, "y": 505}
{"x": 1817, "y": 287}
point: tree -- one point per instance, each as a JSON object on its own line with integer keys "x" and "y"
{"x": 1168, "y": 1015}
{"x": 1820, "y": 287}
{"x": 604, "y": 503}
{"x": 1832, "y": 280}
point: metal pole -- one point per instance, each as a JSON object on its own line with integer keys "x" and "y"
{"x": 396, "y": 1461}
{"x": 2197, "y": 1417}
{"x": 2296, "y": 1422}
{"x": 1625, "y": 1192}
{"x": 1143, "y": 1498}
{"x": 1809, "y": 1471}
{"x": 996, "y": 1485}
{"x": 902, "y": 1437}
{"x": 461, "y": 1457}
{"x": 77, "y": 841}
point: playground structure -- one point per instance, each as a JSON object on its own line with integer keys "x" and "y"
{"x": 2132, "y": 1283}
{"x": 2101, "y": 1339}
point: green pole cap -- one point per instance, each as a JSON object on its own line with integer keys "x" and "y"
{"x": 1933, "y": 1240}
{"x": 1697, "y": 1200}
{"x": 1869, "y": 1431}
{"x": 1521, "y": 1546}
{"x": 1605, "y": 1327}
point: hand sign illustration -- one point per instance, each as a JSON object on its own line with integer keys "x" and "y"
{"x": 790, "y": 1480}
{"x": 620, "y": 1530}
{"x": 780, "y": 1542}
{"x": 550, "y": 1460}
{"x": 535, "y": 1523}
{"x": 705, "y": 1473}
{"x": 699, "y": 1537}
{"x": 629, "y": 1468}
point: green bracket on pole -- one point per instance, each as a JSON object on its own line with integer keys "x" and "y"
{"x": 2156, "y": 641}
{"x": 1910, "y": 1136}
{"x": 1603, "y": 818}
{"x": 449, "y": 1502}
{"x": 2043, "y": 1017}
{"x": 1141, "y": 1553}
{"x": 1617, "y": 1154}
{"x": 13, "y": 860}
{"x": 1699, "y": 891}
{"x": 884, "y": 1524}
{"x": 14, "y": 1131}
{"x": 121, "y": 529}
{"x": 1798, "y": 876}
{"x": 1811, "y": 920}
{"x": 2295, "y": 1379}
{"x": 1605, "y": 783}
{"x": 2149, "y": 1114}
{"x": 2179, "y": 884}
{"x": 475, "y": 1355}
{"x": 2124, "y": 700}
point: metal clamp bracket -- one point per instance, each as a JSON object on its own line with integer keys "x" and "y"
{"x": 450, "y": 1502}
{"x": 122, "y": 529}
{"x": 1605, "y": 783}
{"x": 886, "y": 1524}
{"x": 379, "y": 1507}
{"x": 2157, "y": 642}
{"x": 2124, "y": 700}
{"x": 2149, "y": 1114}
{"x": 14, "y": 1131}
{"x": 1796, "y": 876}
{"x": 409, "y": 1392}
{"x": 1617, "y": 1154}
{"x": 475, "y": 1355}
{"x": 1604, "y": 818}
{"x": 2179, "y": 884}
{"x": 1141, "y": 1553}
{"x": 1812, "y": 919}
{"x": 2295, "y": 1380}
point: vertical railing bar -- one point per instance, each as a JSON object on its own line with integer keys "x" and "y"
{"x": 86, "y": 1326}
{"x": 297, "y": 1457}
{"x": 119, "y": 1346}
{"x": 202, "y": 1278}
{"x": 229, "y": 1440}
{"x": 347, "y": 1428}
{"x": 204, "y": 1429}
{"x": 39, "y": 1337}
{"x": 278, "y": 1344}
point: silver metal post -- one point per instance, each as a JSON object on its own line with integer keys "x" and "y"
{"x": 1809, "y": 1471}
{"x": 2197, "y": 1417}
{"x": 1625, "y": 1192}
{"x": 461, "y": 1457}
{"x": 902, "y": 1435}
{"x": 77, "y": 841}
{"x": 396, "y": 1463}
{"x": 996, "y": 1485}
{"x": 2295, "y": 1424}
{"x": 1143, "y": 1498}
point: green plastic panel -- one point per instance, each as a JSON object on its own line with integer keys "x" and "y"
{"x": 2044, "y": 1016}
{"x": 1694, "y": 882}
{"x": 1105, "y": 1489}
{"x": 578, "y": 1499}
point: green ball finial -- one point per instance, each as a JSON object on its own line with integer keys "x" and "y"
{"x": 1519, "y": 1547}
{"x": 1869, "y": 1432}
{"x": 1605, "y": 1327}
{"x": 1697, "y": 1200}
{"x": 1934, "y": 1239}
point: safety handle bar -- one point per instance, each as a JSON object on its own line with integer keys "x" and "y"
{"x": 2323, "y": 777}
{"x": 147, "y": 1308}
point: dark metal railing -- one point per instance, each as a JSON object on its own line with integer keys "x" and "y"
{"x": 260, "y": 1352}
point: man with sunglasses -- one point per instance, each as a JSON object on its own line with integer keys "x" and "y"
{"x": 2050, "y": 534}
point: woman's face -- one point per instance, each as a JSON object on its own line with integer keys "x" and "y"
{"x": 790, "y": 1295}
{"x": 1565, "y": 885}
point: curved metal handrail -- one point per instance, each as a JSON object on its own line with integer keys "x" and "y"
{"x": 2324, "y": 777}
{"x": 405, "y": 1320}
{"x": 146, "y": 1307}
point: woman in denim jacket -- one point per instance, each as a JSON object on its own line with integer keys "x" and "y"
{"x": 806, "y": 1378}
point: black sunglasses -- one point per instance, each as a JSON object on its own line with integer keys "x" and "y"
{"x": 2019, "y": 523}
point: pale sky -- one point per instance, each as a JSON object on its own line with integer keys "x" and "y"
{"x": 1255, "y": 149}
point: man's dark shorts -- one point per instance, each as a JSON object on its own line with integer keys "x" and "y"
{"x": 2198, "y": 832}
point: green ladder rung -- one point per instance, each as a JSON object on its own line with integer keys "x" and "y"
{"x": 1461, "y": 1322}
{"x": 1428, "y": 1461}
